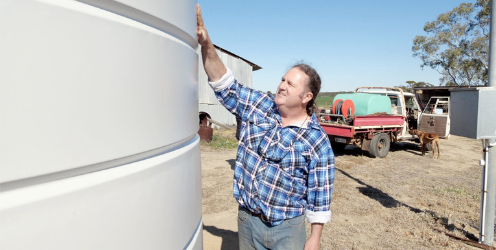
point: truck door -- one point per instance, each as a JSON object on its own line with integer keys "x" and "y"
{"x": 436, "y": 116}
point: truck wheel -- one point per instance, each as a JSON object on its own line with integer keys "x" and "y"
{"x": 379, "y": 146}
{"x": 337, "y": 147}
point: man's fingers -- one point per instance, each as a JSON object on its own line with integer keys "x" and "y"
{"x": 201, "y": 30}
{"x": 199, "y": 18}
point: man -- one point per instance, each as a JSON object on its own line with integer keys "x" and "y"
{"x": 284, "y": 165}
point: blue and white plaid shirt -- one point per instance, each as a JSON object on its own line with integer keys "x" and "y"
{"x": 281, "y": 172}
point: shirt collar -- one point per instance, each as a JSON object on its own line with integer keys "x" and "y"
{"x": 311, "y": 122}
{"x": 303, "y": 124}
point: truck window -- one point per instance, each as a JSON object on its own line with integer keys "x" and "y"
{"x": 396, "y": 107}
{"x": 437, "y": 106}
{"x": 410, "y": 103}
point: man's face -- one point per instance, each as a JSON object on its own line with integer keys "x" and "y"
{"x": 292, "y": 89}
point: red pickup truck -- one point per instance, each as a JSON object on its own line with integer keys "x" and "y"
{"x": 375, "y": 131}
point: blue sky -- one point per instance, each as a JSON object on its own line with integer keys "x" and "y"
{"x": 349, "y": 43}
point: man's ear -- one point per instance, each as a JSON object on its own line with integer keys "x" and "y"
{"x": 307, "y": 97}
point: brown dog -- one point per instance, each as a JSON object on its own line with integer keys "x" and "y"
{"x": 427, "y": 138}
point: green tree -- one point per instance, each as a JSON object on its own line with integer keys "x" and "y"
{"x": 457, "y": 44}
{"x": 412, "y": 84}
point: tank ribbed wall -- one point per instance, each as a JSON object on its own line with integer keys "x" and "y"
{"x": 99, "y": 114}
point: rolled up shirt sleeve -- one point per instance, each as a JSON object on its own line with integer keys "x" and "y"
{"x": 318, "y": 217}
{"x": 225, "y": 81}
{"x": 237, "y": 98}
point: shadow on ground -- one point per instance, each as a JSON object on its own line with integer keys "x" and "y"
{"x": 229, "y": 238}
{"x": 395, "y": 146}
{"x": 410, "y": 147}
{"x": 390, "y": 202}
{"x": 231, "y": 162}
{"x": 350, "y": 150}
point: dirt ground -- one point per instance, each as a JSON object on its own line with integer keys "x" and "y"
{"x": 397, "y": 202}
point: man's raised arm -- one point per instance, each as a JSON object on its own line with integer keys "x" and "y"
{"x": 212, "y": 64}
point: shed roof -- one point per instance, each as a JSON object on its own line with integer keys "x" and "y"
{"x": 254, "y": 66}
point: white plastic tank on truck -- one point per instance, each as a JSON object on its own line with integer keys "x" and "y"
{"x": 99, "y": 119}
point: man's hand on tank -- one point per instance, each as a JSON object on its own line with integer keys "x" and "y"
{"x": 201, "y": 30}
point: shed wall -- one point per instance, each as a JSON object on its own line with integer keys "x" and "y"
{"x": 207, "y": 101}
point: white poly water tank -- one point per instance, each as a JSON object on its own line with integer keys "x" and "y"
{"x": 98, "y": 125}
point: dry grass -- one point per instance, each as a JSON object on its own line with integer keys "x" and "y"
{"x": 221, "y": 139}
{"x": 397, "y": 202}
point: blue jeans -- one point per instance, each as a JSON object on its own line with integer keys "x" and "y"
{"x": 255, "y": 234}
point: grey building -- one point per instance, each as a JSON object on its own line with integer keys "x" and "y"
{"x": 242, "y": 70}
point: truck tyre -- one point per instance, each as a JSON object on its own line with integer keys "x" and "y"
{"x": 379, "y": 146}
{"x": 337, "y": 147}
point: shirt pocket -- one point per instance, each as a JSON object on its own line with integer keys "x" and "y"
{"x": 256, "y": 127}
{"x": 300, "y": 160}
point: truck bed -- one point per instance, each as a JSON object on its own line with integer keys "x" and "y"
{"x": 363, "y": 124}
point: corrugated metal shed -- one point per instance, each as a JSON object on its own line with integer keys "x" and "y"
{"x": 242, "y": 70}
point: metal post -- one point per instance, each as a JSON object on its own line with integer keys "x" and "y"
{"x": 489, "y": 174}
{"x": 492, "y": 49}
{"x": 488, "y": 191}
